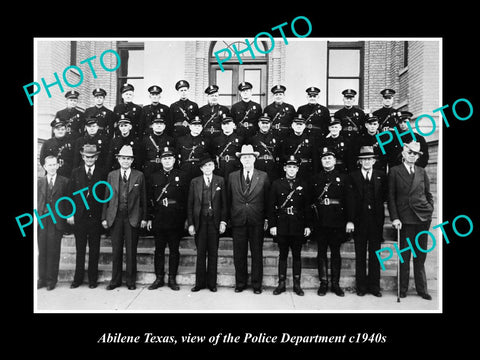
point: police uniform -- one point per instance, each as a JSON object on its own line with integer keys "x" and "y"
{"x": 151, "y": 148}
{"x": 352, "y": 119}
{"x": 385, "y": 115}
{"x": 72, "y": 117}
{"x": 289, "y": 211}
{"x": 151, "y": 111}
{"x": 329, "y": 201}
{"x": 317, "y": 117}
{"x": 181, "y": 113}
{"x": 118, "y": 142}
{"x": 341, "y": 145}
{"x": 62, "y": 148}
{"x": 302, "y": 147}
{"x": 105, "y": 117}
{"x": 212, "y": 115}
{"x": 366, "y": 139}
{"x": 223, "y": 148}
{"x": 167, "y": 193}
{"x": 281, "y": 114}
{"x": 129, "y": 110}
{"x": 246, "y": 114}
{"x": 190, "y": 149}
{"x": 100, "y": 141}
{"x": 269, "y": 149}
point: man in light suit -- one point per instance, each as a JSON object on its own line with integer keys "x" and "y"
{"x": 410, "y": 204}
{"x": 124, "y": 213}
{"x": 51, "y": 188}
{"x": 87, "y": 222}
{"x": 207, "y": 213}
{"x": 248, "y": 199}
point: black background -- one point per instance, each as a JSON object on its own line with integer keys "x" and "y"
{"x": 60, "y": 335}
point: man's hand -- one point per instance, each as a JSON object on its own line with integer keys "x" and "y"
{"x": 105, "y": 224}
{"x": 273, "y": 231}
{"x": 350, "y": 227}
{"x": 70, "y": 221}
{"x": 265, "y": 225}
{"x": 223, "y": 227}
{"x": 307, "y": 232}
{"x": 397, "y": 224}
{"x": 191, "y": 230}
{"x": 149, "y": 225}
{"x": 143, "y": 223}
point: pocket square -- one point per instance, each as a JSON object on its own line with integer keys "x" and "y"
{"x": 136, "y": 184}
{"x": 218, "y": 188}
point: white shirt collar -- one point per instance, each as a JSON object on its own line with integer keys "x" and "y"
{"x": 408, "y": 167}
{"x": 53, "y": 178}
{"x": 128, "y": 171}
{"x": 91, "y": 167}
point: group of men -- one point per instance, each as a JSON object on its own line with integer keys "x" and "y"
{"x": 291, "y": 174}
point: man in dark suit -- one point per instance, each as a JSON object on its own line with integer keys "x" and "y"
{"x": 50, "y": 189}
{"x": 207, "y": 213}
{"x": 87, "y": 222}
{"x": 248, "y": 199}
{"x": 167, "y": 196}
{"x": 367, "y": 193}
{"x": 123, "y": 214}
{"x": 290, "y": 221}
{"x": 410, "y": 204}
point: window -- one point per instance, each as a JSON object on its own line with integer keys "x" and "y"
{"x": 345, "y": 71}
{"x": 405, "y": 54}
{"x": 131, "y": 69}
{"x": 73, "y": 53}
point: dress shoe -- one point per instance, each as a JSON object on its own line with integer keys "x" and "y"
{"x": 403, "y": 294}
{"x": 159, "y": 282}
{"x": 131, "y": 287}
{"x": 360, "y": 293}
{"x": 111, "y": 286}
{"x": 40, "y": 284}
{"x": 239, "y": 289}
{"x": 376, "y": 293}
{"x": 426, "y": 296}
{"x": 337, "y": 290}
{"x": 322, "y": 290}
{"x": 74, "y": 285}
{"x": 297, "y": 288}
{"x": 280, "y": 288}
{"x": 213, "y": 289}
{"x": 197, "y": 288}
{"x": 257, "y": 291}
{"x": 92, "y": 285}
{"x": 50, "y": 287}
{"x": 172, "y": 283}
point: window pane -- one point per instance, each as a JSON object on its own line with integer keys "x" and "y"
{"x": 335, "y": 88}
{"x": 224, "y": 82}
{"x": 253, "y": 76}
{"x": 344, "y": 62}
{"x": 135, "y": 63}
{"x": 140, "y": 93}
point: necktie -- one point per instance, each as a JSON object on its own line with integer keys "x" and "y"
{"x": 50, "y": 184}
{"x": 207, "y": 181}
{"x": 247, "y": 180}
{"x": 125, "y": 176}
{"x": 411, "y": 170}
{"x": 89, "y": 173}
{"x": 367, "y": 175}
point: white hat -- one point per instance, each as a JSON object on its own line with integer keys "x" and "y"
{"x": 247, "y": 150}
{"x": 126, "y": 150}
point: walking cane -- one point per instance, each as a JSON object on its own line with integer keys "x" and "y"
{"x": 398, "y": 266}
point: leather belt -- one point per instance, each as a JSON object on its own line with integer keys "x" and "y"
{"x": 350, "y": 128}
{"x": 167, "y": 201}
{"x": 310, "y": 126}
{"x": 191, "y": 160}
{"x": 289, "y": 210}
{"x": 265, "y": 157}
{"x": 328, "y": 201}
{"x": 228, "y": 158}
{"x": 157, "y": 160}
{"x": 280, "y": 127}
{"x": 178, "y": 123}
{"x": 303, "y": 160}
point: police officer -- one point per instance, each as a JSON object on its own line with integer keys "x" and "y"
{"x": 290, "y": 221}
{"x": 385, "y": 115}
{"x": 212, "y": 113}
{"x": 369, "y": 138}
{"x": 72, "y": 116}
{"x": 339, "y": 144}
{"x": 128, "y": 109}
{"x": 300, "y": 144}
{"x": 152, "y": 144}
{"x": 268, "y": 147}
{"x": 92, "y": 136}
{"x": 190, "y": 149}
{"x": 182, "y": 111}
{"x": 394, "y": 149}
{"x": 150, "y": 112}
{"x": 126, "y": 137}
{"x": 105, "y": 117}
{"x": 329, "y": 203}
{"x": 60, "y": 146}
{"x": 281, "y": 112}
{"x": 352, "y": 117}
{"x": 167, "y": 191}
{"x": 317, "y": 117}
{"x": 224, "y": 147}
{"x": 246, "y": 112}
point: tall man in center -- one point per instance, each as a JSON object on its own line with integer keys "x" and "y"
{"x": 248, "y": 190}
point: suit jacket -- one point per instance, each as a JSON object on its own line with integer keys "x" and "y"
{"x": 137, "y": 198}
{"x": 412, "y": 203}
{"x": 219, "y": 200}
{"x": 78, "y": 181}
{"x": 60, "y": 189}
{"x": 355, "y": 202}
{"x": 250, "y": 206}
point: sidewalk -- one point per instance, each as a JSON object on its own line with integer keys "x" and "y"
{"x": 83, "y": 299}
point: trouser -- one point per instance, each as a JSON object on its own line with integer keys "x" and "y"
{"x": 410, "y": 231}
{"x": 285, "y": 243}
{"x": 367, "y": 239}
{"x": 206, "y": 240}
{"x": 242, "y": 237}
{"x": 163, "y": 237}
{"x": 329, "y": 237}
{"x": 87, "y": 231}
{"x": 123, "y": 233}
{"x": 49, "y": 245}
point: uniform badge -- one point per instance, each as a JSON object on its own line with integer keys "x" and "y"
{"x": 253, "y": 107}
{"x": 177, "y": 178}
{"x": 203, "y": 143}
{"x": 99, "y": 141}
{"x": 286, "y": 108}
{"x": 299, "y": 188}
{"x": 338, "y": 179}
{"x": 134, "y": 109}
{"x": 341, "y": 144}
{"x": 131, "y": 143}
{"x": 273, "y": 140}
{"x": 306, "y": 141}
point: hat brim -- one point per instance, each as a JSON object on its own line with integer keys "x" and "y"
{"x": 254, "y": 153}
{"x": 90, "y": 154}
{"x": 366, "y": 156}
